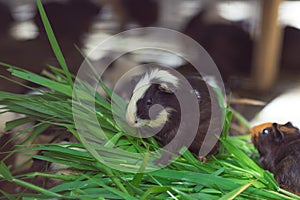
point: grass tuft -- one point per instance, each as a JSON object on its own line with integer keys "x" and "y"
{"x": 232, "y": 174}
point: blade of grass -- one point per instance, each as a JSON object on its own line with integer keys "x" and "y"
{"x": 54, "y": 44}
{"x": 17, "y": 122}
{"x": 242, "y": 119}
{"x": 137, "y": 179}
{"x": 155, "y": 189}
{"x": 123, "y": 194}
{"x": 234, "y": 193}
{"x": 42, "y": 81}
{"x": 4, "y": 171}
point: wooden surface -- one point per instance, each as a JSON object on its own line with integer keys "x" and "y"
{"x": 267, "y": 48}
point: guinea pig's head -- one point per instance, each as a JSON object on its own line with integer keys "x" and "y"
{"x": 268, "y": 135}
{"x": 153, "y": 99}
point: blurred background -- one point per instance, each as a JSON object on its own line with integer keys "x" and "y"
{"x": 255, "y": 44}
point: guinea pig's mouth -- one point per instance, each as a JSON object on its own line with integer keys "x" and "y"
{"x": 137, "y": 122}
{"x": 142, "y": 123}
{"x": 156, "y": 121}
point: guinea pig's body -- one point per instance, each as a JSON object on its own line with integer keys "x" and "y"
{"x": 146, "y": 94}
{"x": 279, "y": 149}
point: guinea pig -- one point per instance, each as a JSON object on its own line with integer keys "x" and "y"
{"x": 229, "y": 45}
{"x": 279, "y": 149}
{"x": 158, "y": 87}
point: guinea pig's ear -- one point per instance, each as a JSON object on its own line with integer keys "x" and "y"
{"x": 164, "y": 87}
{"x": 279, "y": 135}
{"x": 289, "y": 125}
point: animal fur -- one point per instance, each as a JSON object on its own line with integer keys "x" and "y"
{"x": 279, "y": 149}
{"x": 158, "y": 87}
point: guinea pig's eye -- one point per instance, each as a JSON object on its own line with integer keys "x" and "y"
{"x": 266, "y": 131}
{"x": 149, "y": 102}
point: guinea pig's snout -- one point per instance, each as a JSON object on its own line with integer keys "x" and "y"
{"x": 132, "y": 121}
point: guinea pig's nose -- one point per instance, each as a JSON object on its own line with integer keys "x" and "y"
{"x": 131, "y": 121}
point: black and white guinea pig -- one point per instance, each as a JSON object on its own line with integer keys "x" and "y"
{"x": 158, "y": 87}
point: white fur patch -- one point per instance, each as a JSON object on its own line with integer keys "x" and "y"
{"x": 161, "y": 75}
{"x": 161, "y": 119}
{"x": 142, "y": 86}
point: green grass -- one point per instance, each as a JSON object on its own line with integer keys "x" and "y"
{"x": 234, "y": 173}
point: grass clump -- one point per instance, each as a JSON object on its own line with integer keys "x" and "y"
{"x": 230, "y": 174}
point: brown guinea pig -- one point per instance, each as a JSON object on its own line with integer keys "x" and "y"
{"x": 279, "y": 149}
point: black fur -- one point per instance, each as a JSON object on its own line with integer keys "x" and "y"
{"x": 168, "y": 99}
{"x": 279, "y": 149}
{"x": 145, "y": 12}
{"x": 153, "y": 96}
